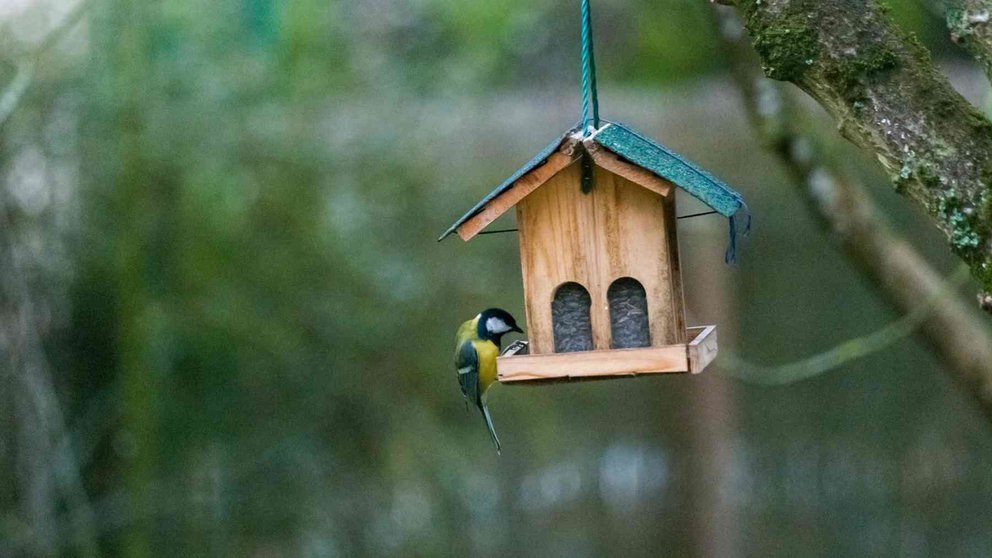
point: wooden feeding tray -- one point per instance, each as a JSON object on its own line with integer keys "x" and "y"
{"x": 691, "y": 357}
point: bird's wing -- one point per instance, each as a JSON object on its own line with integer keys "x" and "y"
{"x": 467, "y": 365}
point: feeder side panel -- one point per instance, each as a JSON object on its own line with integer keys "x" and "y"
{"x": 555, "y": 231}
{"x": 641, "y": 243}
{"x": 677, "y": 300}
{"x": 537, "y": 334}
{"x": 618, "y": 230}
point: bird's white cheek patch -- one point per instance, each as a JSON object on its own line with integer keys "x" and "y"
{"x": 497, "y": 325}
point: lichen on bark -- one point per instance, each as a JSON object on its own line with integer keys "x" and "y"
{"x": 970, "y": 25}
{"x": 881, "y": 87}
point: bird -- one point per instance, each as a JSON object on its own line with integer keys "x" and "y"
{"x": 477, "y": 344}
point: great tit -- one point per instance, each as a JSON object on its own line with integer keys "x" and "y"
{"x": 477, "y": 345}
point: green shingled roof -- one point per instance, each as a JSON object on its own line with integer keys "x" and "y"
{"x": 651, "y": 156}
{"x": 669, "y": 165}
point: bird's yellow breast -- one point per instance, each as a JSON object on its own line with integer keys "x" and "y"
{"x": 487, "y": 351}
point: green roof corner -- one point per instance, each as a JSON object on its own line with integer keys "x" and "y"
{"x": 669, "y": 165}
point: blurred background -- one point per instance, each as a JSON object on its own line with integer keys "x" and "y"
{"x": 226, "y": 327}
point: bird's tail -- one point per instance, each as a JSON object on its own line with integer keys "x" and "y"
{"x": 489, "y": 424}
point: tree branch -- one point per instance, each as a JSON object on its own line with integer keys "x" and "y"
{"x": 968, "y": 22}
{"x": 887, "y": 97}
{"x": 11, "y": 97}
{"x": 45, "y": 452}
{"x": 903, "y": 277}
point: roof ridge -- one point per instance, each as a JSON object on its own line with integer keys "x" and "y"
{"x": 692, "y": 166}
{"x": 639, "y": 150}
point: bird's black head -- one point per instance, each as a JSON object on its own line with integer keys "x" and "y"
{"x": 494, "y": 322}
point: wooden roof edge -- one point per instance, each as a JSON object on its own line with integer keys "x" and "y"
{"x": 617, "y": 149}
{"x": 642, "y": 177}
{"x": 565, "y": 146}
{"x": 520, "y": 189}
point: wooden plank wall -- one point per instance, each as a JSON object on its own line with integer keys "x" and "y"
{"x": 618, "y": 230}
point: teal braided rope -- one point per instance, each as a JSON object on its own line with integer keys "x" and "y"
{"x": 590, "y": 99}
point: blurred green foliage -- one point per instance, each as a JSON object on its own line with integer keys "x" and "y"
{"x": 227, "y": 213}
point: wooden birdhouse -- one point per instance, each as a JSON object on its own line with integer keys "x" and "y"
{"x": 599, "y": 256}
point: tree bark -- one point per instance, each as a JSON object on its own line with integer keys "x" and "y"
{"x": 886, "y": 96}
{"x": 903, "y": 277}
{"x": 968, "y": 22}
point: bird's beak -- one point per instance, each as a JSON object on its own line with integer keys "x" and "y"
{"x": 517, "y": 329}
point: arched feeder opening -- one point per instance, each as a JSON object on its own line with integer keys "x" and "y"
{"x": 570, "y": 318}
{"x": 628, "y": 314}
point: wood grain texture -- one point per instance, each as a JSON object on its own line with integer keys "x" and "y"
{"x": 524, "y": 185}
{"x": 589, "y": 365}
{"x": 702, "y": 348}
{"x": 677, "y": 296}
{"x": 620, "y": 229}
{"x": 609, "y": 161}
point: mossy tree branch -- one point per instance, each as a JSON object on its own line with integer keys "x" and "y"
{"x": 890, "y": 262}
{"x": 970, "y": 26}
{"x": 881, "y": 87}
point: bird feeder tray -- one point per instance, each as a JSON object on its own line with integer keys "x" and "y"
{"x": 600, "y": 257}
{"x": 691, "y": 357}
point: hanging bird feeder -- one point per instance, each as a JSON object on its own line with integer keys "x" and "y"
{"x": 599, "y": 250}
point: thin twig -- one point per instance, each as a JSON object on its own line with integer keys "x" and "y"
{"x": 41, "y": 421}
{"x": 12, "y": 96}
{"x": 15, "y": 91}
{"x": 735, "y": 367}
